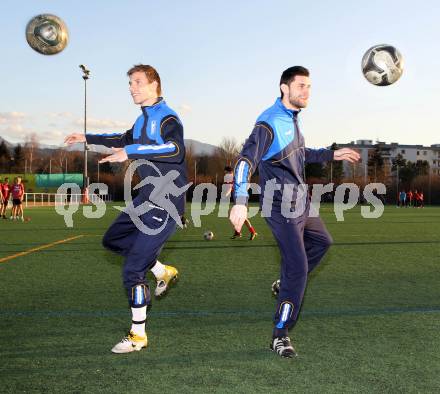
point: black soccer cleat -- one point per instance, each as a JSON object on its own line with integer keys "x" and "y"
{"x": 283, "y": 347}
{"x": 236, "y": 235}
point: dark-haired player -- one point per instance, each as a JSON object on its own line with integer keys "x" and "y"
{"x": 276, "y": 147}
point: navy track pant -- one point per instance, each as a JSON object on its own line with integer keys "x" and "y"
{"x": 303, "y": 243}
{"x": 140, "y": 250}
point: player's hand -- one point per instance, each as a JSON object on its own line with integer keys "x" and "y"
{"x": 347, "y": 154}
{"x": 237, "y": 216}
{"x": 119, "y": 155}
{"x": 74, "y": 138}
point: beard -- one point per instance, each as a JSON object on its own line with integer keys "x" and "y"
{"x": 297, "y": 102}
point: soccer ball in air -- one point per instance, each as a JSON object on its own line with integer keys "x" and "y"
{"x": 276, "y": 287}
{"x": 47, "y": 34}
{"x": 382, "y": 65}
{"x": 208, "y": 236}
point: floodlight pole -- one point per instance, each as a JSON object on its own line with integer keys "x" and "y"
{"x": 86, "y": 180}
{"x": 85, "y": 76}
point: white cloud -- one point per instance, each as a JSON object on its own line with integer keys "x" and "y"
{"x": 14, "y": 133}
{"x": 12, "y": 126}
{"x": 16, "y": 127}
{"x": 19, "y": 134}
{"x": 12, "y": 117}
{"x": 62, "y": 115}
{"x": 102, "y": 124}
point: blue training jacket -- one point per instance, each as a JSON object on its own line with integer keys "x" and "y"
{"x": 157, "y": 136}
{"x": 276, "y": 147}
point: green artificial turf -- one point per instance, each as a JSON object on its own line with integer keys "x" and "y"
{"x": 370, "y": 321}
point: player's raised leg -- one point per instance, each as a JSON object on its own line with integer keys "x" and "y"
{"x": 143, "y": 253}
{"x": 121, "y": 236}
{"x": 317, "y": 241}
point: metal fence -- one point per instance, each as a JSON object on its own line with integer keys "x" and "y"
{"x": 52, "y": 199}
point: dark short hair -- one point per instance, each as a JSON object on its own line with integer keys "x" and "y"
{"x": 289, "y": 75}
{"x": 150, "y": 72}
{"x": 228, "y": 169}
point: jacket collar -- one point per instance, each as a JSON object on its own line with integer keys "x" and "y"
{"x": 292, "y": 113}
{"x": 150, "y": 109}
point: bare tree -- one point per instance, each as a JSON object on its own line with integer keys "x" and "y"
{"x": 31, "y": 148}
{"x": 228, "y": 150}
{"x": 190, "y": 162}
{"x": 60, "y": 158}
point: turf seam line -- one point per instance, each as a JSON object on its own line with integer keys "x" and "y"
{"x": 189, "y": 313}
{"x": 26, "y": 252}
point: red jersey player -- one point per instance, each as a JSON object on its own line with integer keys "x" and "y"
{"x": 17, "y": 192}
{"x": 409, "y": 198}
{"x": 5, "y": 191}
{"x": 421, "y": 199}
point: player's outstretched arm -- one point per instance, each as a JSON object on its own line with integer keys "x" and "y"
{"x": 114, "y": 140}
{"x": 119, "y": 155}
{"x": 346, "y": 154}
{"x": 74, "y": 138}
{"x": 318, "y": 155}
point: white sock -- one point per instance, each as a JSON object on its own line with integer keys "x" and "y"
{"x": 158, "y": 269}
{"x": 139, "y": 315}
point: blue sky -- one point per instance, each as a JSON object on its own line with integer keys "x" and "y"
{"x": 220, "y": 63}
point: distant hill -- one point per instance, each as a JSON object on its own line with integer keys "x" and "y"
{"x": 8, "y": 144}
{"x": 198, "y": 148}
